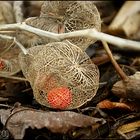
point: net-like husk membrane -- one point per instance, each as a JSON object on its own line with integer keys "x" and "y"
{"x": 60, "y": 64}
{"x": 64, "y": 16}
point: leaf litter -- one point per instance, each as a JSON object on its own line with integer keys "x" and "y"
{"x": 109, "y": 114}
{"x": 58, "y": 122}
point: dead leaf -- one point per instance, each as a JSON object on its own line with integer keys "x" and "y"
{"x": 127, "y": 127}
{"x": 106, "y": 104}
{"x": 60, "y": 122}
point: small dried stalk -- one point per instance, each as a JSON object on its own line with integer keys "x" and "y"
{"x": 13, "y": 77}
{"x": 115, "y": 64}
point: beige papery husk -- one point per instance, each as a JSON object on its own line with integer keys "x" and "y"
{"x": 63, "y": 17}
{"x": 60, "y": 64}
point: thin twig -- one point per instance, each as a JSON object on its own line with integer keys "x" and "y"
{"x": 13, "y": 77}
{"x": 21, "y": 46}
{"x": 115, "y": 64}
{"x": 7, "y": 32}
{"x": 16, "y": 41}
{"x": 3, "y": 99}
{"x": 24, "y": 26}
{"x": 91, "y": 33}
{"x": 6, "y": 37}
{"x": 4, "y": 105}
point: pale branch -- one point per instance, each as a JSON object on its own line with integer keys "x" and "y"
{"x": 24, "y": 26}
{"x": 7, "y": 32}
{"x": 20, "y": 46}
{"x": 6, "y": 37}
{"x": 16, "y": 41}
{"x": 115, "y": 64}
{"x": 91, "y": 33}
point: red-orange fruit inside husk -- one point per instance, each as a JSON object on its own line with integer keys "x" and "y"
{"x": 2, "y": 64}
{"x": 59, "y": 98}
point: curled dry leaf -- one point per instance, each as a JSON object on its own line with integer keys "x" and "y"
{"x": 106, "y": 104}
{"x": 57, "y": 122}
{"x": 134, "y": 105}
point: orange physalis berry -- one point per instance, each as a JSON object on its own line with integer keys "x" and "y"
{"x": 2, "y": 64}
{"x": 59, "y": 98}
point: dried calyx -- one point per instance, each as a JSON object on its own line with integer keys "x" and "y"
{"x": 63, "y": 16}
{"x": 9, "y": 67}
{"x": 61, "y": 75}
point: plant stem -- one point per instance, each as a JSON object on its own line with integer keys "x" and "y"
{"x": 115, "y": 64}
{"x": 91, "y": 33}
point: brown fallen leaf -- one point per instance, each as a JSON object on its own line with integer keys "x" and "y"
{"x": 60, "y": 122}
{"x": 126, "y": 127}
{"x": 129, "y": 89}
{"x": 106, "y": 104}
